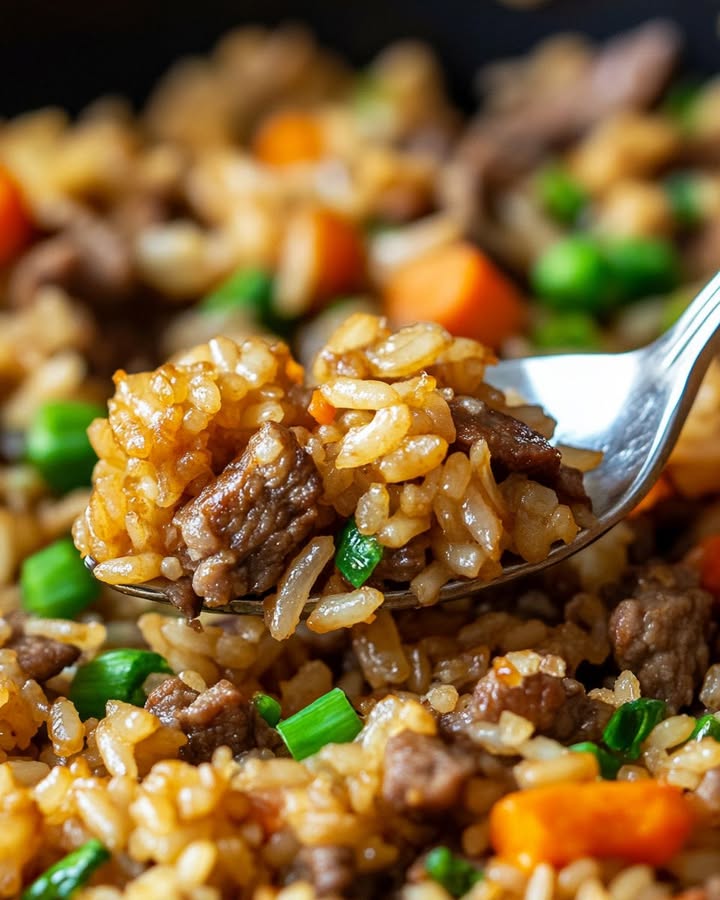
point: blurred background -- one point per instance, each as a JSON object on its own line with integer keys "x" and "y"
{"x": 72, "y": 51}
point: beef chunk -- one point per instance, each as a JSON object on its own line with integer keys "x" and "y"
{"x": 89, "y": 259}
{"x": 329, "y": 869}
{"x": 421, "y": 773}
{"x": 218, "y": 717}
{"x": 661, "y": 633}
{"x": 580, "y": 718}
{"x": 243, "y": 527}
{"x": 538, "y": 698}
{"x": 515, "y": 447}
{"x": 42, "y": 658}
{"x": 404, "y": 563}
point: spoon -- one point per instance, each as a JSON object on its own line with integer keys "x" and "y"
{"x": 631, "y": 406}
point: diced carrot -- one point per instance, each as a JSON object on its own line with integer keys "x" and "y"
{"x": 709, "y": 559}
{"x": 15, "y": 223}
{"x": 289, "y": 137}
{"x": 659, "y": 491}
{"x": 637, "y": 821}
{"x": 459, "y": 287}
{"x": 322, "y": 411}
{"x": 323, "y": 257}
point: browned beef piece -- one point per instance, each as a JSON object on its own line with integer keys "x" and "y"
{"x": 404, "y": 563}
{"x": 42, "y": 658}
{"x": 89, "y": 259}
{"x": 329, "y": 869}
{"x": 708, "y": 792}
{"x": 219, "y": 717}
{"x": 421, "y": 773}
{"x": 515, "y": 447}
{"x": 580, "y": 718}
{"x": 628, "y": 72}
{"x": 538, "y": 698}
{"x": 661, "y": 633}
{"x": 241, "y": 530}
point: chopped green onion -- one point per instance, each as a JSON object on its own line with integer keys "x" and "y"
{"x": 68, "y": 874}
{"x": 268, "y": 708}
{"x": 58, "y": 445}
{"x": 631, "y": 723}
{"x": 114, "y": 675}
{"x": 328, "y": 720}
{"x": 357, "y": 554}
{"x": 608, "y": 764}
{"x": 453, "y": 872}
{"x": 642, "y": 266}
{"x": 572, "y": 275}
{"x": 706, "y": 726}
{"x": 567, "y": 331}
{"x": 249, "y": 290}
{"x": 560, "y": 194}
{"x": 54, "y": 582}
{"x": 683, "y": 194}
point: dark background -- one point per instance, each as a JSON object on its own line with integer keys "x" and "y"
{"x": 71, "y": 51}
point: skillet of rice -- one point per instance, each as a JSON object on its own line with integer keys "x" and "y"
{"x": 559, "y": 738}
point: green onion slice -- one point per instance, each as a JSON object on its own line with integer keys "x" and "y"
{"x": 69, "y": 874}
{"x": 54, "y": 582}
{"x": 268, "y": 708}
{"x": 631, "y": 723}
{"x": 58, "y": 445}
{"x": 330, "y": 719}
{"x": 706, "y": 726}
{"x": 455, "y": 874}
{"x": 357, "y": 554}
{"x": 567, "y": 331}
{"x": 114, "y": 675}
{"x": 250, "y": 290}
{"x": 608, "y": 763}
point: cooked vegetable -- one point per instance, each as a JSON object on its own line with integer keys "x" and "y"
{"x": 322, "y": 411}
{"x": 69, "y": 874}
{"x": 642, "y": 266}
{"x": 631, "y": 723}
{"x": 567, "y": 331}
{"x": 562, "y": 196}
{"x": 573, "y": 275}
{"x": 249, "y": 290}
{"x": 15, "y": 224}
{"x": 453, "y": 872}
{"x": 661, "y": 490}
{"x": 58, "y": 445}
{"x": 114, "y": 675}
{"x": 710, "y": 564}
{"x": 637, "y": 821}
{"x": 459, "y": 287}
{"x": 289, "y": 137}
{"x": 683, "y": 193}
{"x": 706, "y": 726}
{"x": 330, "y": 719}
{"x": 55, "y": 583}
{"x": 608, "y": 763}
{"x": 268, "y": 708}
{"x": 357, "y": 554}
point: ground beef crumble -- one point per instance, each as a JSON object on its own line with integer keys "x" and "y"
{"x": 662, "y": 631}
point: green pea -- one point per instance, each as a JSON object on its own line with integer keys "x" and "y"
{"x": 642, "y": 267}
{"x": 573, "y": 275}
{"x": 566, "y": 331}
{"x": 561, "y": 195}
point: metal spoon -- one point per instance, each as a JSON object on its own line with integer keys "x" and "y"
{"x": 630, "y": 406}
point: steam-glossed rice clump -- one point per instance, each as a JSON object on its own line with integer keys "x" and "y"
{"x": 223, "y": 473}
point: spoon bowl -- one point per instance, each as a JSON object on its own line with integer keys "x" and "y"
{"x": 629, "y": 406}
